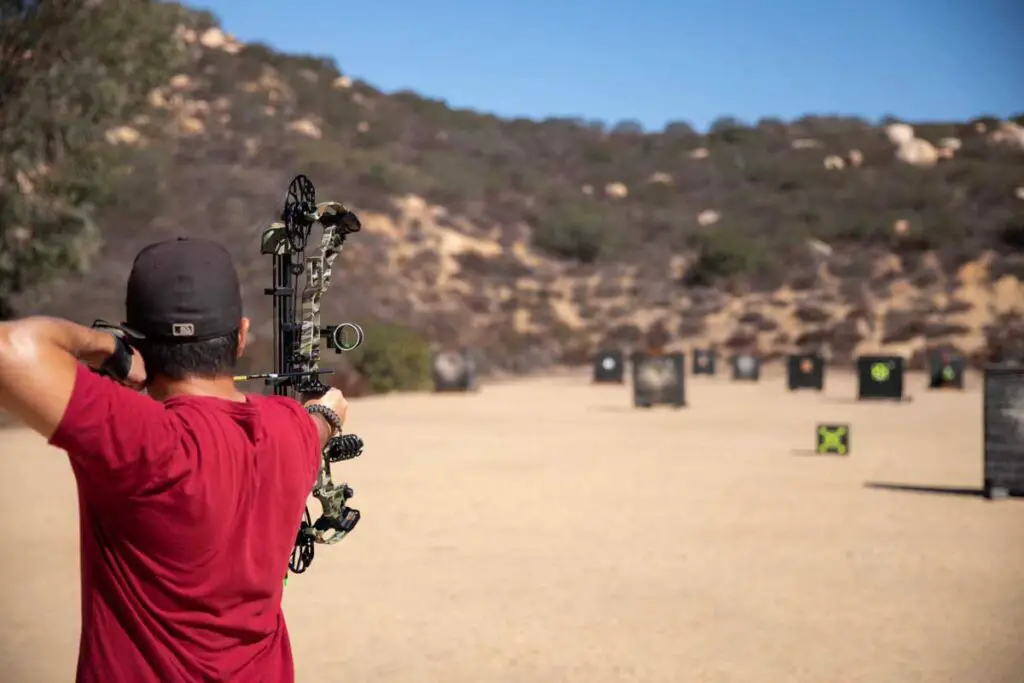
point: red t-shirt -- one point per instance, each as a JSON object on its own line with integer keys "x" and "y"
{"x": 189, "y": 509}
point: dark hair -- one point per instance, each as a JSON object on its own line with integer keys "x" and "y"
{"x": 209, "y": 358}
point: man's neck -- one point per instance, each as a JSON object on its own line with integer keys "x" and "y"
{"x": 214, "y": 387}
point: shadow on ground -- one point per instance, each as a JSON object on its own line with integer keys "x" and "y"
{"x": 967, "y": 491}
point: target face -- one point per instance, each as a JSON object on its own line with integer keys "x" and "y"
{"x": 805, "y": 371}
{"x": 659, "y": 380}
{"x": 833, "y": 439}
{"x": 880, "y": 372}
{"x": 449, "y": 366}
{"x": 746, "y": 367}
{"x": 454, "y": 371}
{"x": 703, "y": 362}
{"x": 609, "y": 367}
{"x": 947, "y": 370}
{"x": 657, "y": 374}
{"x": 880, "y": 377}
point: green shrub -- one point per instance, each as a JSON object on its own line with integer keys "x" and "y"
{"x": 577, "y": 231}
{"x": 392, "y": 358}
{"x": 722, "y": 255}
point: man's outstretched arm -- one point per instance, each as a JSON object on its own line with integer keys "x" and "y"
{"x": 38, "y": 364}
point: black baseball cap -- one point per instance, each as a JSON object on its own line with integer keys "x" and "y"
{"x": 182, "y": 290}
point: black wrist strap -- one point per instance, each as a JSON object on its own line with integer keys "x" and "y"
{"x": 332, "y": 417}
{"x": 118, "y": 364}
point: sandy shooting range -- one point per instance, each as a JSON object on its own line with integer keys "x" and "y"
{"x": 544, "y": 530}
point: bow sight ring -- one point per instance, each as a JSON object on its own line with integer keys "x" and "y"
{"x": 338, "y": 341}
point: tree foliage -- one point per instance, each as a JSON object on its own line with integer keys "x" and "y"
{"x": 69, "y": 71}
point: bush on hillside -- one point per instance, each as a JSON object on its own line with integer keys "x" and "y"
{"x": 722, "y": 254}
{"x": 578, "y": 231}
{"x": 392, "y": 358}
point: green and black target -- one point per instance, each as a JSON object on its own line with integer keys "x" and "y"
{"x": 704, "y": 361}
{"x": 880, "y": 377}
{"x": 805, "y": 371}
{"x": 946, "y": 369}
{"x": 832, "y": 439}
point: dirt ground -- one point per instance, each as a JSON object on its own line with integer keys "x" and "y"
{"x": 543, "y": 530}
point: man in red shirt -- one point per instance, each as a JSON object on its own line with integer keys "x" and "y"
{"x": 190, "y": 497}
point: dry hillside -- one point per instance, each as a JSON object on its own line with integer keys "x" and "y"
{"x": 538, "y": 241}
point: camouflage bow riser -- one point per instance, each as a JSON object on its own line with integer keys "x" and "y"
{"x": 298, "y": 335}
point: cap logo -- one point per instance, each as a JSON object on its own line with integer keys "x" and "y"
{"x": 183, "y": 330}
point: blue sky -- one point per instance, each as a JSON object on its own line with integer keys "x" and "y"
{"x": 657, "y": 61}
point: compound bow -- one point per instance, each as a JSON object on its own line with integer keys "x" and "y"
{"x": 297, "y": 338}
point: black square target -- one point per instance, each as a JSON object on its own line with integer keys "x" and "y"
{"x": 454, "y": 371}
{"x": 880, "y": 377}
{"x": 610, "y": 367}
{"x": 805, "y": 371}
{"x": 704, "y": 361}
{"x": 746, "y": 367}
{"x": 1004, "y": 430}
{"x": 946, "y": 369}
{"x": 659, "y": 380}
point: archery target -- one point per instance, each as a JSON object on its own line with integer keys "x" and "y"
{"x": 805, "y": 371}
{"x": 454, "y": 371}
{"x": 659, "y": 380}
{"x": 946, "y": 370}
{"x": 609, "y": 367}
{"x": 880, "y": 377}
{"x": 449, "y": 366}
{"x": 1004, "y": 430}
{"x": 655, "y": 375}
{"x": 704, "y": 362}
{"x": 746, "y": 367}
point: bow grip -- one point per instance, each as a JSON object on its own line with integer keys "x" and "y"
{"x": 310, "y": 388}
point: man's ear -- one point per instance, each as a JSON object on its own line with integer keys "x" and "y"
{"x": 243, "y": 335}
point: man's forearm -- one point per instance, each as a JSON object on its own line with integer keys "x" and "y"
{"x": 38, "y": 365}
{"x": 88, "y": 345}
{"x": 324, "y": 429}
